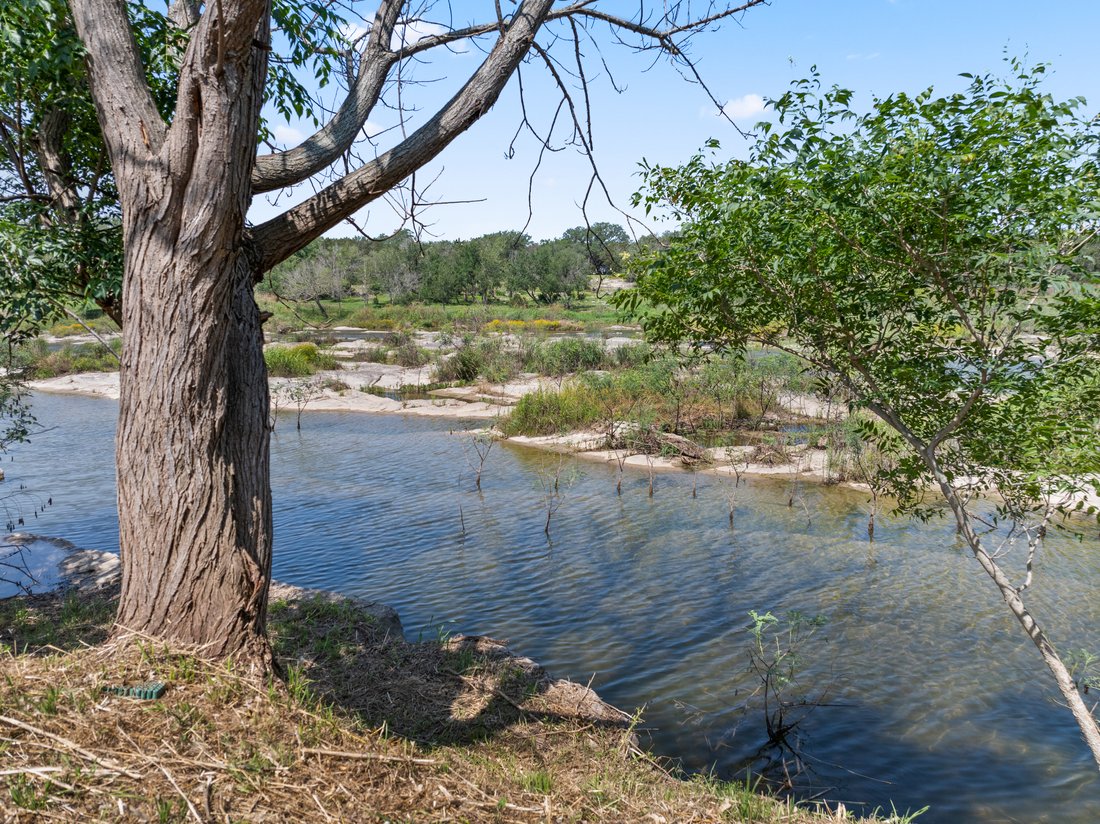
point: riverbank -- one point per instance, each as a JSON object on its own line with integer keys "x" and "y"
{"x": 489, "y": 402}
{"x": 367, "y": 727}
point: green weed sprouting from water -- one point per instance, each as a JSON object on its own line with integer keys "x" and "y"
{"x": 775, "y": 658}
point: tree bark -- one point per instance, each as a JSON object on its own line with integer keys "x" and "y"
{"x": 192, "y": 444}
{"x": 193, "y": 468}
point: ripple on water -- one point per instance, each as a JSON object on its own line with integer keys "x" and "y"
{"x": 933, "y": 695}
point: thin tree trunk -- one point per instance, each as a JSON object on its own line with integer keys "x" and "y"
{"x": 1090, "y": 731}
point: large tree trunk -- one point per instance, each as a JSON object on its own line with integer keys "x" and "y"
{"x": 192, "y": 444}
{"x": 192, "y": 451}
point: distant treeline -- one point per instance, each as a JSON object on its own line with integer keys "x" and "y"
{"x": 502, "y": 266}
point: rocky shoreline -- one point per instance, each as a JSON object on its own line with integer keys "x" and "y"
{"x": 91, "y": 572}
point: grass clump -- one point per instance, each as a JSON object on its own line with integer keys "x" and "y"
{"x": 851, "y": 456}
{"x": 297, "y": 361}
{"x": 550, "y": 412}
{"x": 37, "y": 621}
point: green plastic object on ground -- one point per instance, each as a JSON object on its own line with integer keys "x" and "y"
{"x": 149, "y": 691}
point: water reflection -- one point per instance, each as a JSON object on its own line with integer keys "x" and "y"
{"x": 934, "y": 696}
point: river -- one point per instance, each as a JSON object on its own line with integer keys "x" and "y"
{"x": 929, "y": 692}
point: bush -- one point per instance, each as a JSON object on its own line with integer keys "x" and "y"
{"x": 548, "y": 413}
{"x": 298, "y": 361}
{"x": 488, "y": 359}
{"x": 566, "y": 356}
{"x": 410, "y": 355}
{"x": 39, "y": 362}
{"x": 464, "y": 365}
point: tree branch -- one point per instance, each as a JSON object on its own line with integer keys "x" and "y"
{"x": 280, "y": 237}
{"x": 55, "y": 164}
{"x": 324, "y": 147}
{"x": 275, "y": 171}
{"x": 132, "y": 127}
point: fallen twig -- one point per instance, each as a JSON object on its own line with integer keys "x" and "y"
{"x": 368, "y": 756}
{"x": 71, "y": 746}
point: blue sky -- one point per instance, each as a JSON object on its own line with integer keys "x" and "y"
{"x": 874, "y": 47}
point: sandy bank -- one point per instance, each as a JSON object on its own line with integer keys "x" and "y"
{"x": 807, "y": 463}
{"x": 352, "y": 399}
{"x": 94, "y": 384}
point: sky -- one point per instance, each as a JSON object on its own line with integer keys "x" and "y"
{"x": 874, "y": 47}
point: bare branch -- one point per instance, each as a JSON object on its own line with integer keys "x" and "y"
{"x": 280, "y": 237}
{"x": 281, "y": 169}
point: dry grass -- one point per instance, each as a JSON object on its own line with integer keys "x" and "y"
{"x": 366, "y": 727}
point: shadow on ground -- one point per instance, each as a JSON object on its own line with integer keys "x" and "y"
{"x": 453, "y": 690}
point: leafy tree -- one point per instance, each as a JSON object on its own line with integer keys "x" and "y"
{"x": 496, "y": 254}
{"x": 443, "y": 272}
{"x": 58, "y": 208}
{"x": 603, "y": 244}
{"x": 927, "y": 256}
{"x": 60, "y": 217}
{"x": 549, "y": 271}
{"x": 192, "y": 447}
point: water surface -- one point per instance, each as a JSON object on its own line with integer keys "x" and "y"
{"x": 931, "y": 693}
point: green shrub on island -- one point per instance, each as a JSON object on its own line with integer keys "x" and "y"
{"x": 39, "y": 362}
{"x": 298, "y": 361}
{"x": 487, "y": 358}
{"x": 548, "y": 412}
{"x": 565, "y": 356}
{"x": 707, "y": 403}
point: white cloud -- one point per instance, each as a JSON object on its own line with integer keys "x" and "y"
{"x": 287, "y": 135}
{"x": 354, "y": 31}
{"x": 748, "y": 105}
{"x": 861, "y": 56}
{"x": 411, "y": 33}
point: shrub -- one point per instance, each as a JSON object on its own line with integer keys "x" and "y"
{"x": 410, "y": 355}
{"x": 548, "y": 412}
{"x": 488, "y": 359}
{"x": 565, "y": 356}
{"x": 298, "y": 361}
{"x": 39, "y": 362}
{"x": 464, "y": 365}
